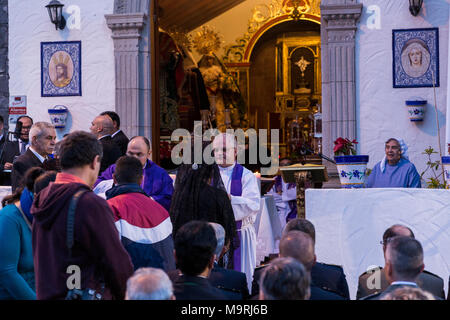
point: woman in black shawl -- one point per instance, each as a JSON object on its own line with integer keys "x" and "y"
{"x": 200, "y": 195}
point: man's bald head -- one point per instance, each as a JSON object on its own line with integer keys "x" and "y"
{"x": 300, "y": 246}
{"x": 225, "y": 149}
{"x": 102, "y": 125}
{"x": 395, "y": 231}
{"x": 301, "y": 225}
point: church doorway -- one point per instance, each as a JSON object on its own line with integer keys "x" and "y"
{"x": 285, "y": 87}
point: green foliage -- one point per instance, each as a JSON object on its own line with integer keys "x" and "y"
{"x": 434, "y": 181}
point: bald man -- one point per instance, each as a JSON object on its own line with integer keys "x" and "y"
{"x": 300, "y": 246}
{"x": 243, "y": 190}
{"x": 102, "y": 127}
{"x": 156, "y": 182}
{"x": 374, "y": 280}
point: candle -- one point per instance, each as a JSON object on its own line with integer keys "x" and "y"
{"x": 258, "y": 178}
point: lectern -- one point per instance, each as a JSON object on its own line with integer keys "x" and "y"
{"x": 304, "y": 176}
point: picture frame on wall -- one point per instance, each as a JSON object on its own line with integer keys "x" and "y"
{"x": 415, "y": 57}
{"x": 61, "y": 68}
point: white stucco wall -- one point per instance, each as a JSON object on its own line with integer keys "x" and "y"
{"x": 29, "y": 25}
{"x": 381, "y": 111}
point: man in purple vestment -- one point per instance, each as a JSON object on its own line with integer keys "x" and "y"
{"x": 156, "y": 182}
{"x": 395, "y": 170}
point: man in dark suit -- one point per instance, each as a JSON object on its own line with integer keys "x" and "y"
{"x": 102, "y": 128}
{"x": 300, "y": 246}
{"x": 43, "y": 139}
{"x": 325, "y": 276}
{"x": 2, "y": 135}
{"x": 232, "y": 282}
{"x": 374, "y": 280}
{"x": 13, "y": 149}
{"x": 195, "y": 243}
{"x": 3, "y": 140}
{"x": 404, "y": 263}
{"x": 118, "y": 137}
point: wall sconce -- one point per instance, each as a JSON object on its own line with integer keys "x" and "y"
{"x": 55, "y": 12}
{"x": 415, "y": 6}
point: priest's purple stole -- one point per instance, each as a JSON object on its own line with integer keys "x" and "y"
{"x": 236, "y": 190}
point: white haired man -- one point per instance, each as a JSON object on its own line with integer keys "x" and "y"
{"x": 42, "y": 143}
{"x": 233, "y": 283}
{"x": 149, "y": 284}
{"x": 242, "y": 188}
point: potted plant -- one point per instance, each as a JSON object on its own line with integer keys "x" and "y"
{"x": 351, "y": 167}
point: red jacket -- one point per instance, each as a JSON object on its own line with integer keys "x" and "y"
{"x": 97, "y": 249}
{"x": 144, "y": 227}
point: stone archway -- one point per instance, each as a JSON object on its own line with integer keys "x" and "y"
{"x": 338, "y": 19}
{"x": 132, "y": 46}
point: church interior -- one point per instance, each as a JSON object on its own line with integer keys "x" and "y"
{"x": 270, "y": 78}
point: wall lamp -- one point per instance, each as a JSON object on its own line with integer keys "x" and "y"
{"x": 415, "y": 6}
{"x": 55, "y": 12}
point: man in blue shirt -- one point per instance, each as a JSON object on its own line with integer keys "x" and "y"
{"x": 395, "y": 170}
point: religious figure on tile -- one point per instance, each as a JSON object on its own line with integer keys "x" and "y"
{"x": 61, "y": 69}
{"x": 415, "y": 58}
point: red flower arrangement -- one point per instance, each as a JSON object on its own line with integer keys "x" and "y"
{"x": 344, "y": 147}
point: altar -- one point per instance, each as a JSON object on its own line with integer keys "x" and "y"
{"x": 350, "y": 224}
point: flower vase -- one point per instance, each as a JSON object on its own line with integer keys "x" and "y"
{"x": 446, "y": 165}
{"x": 352, "y": 170}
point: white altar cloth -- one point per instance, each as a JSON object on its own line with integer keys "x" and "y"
{"x": 350, "y": 224}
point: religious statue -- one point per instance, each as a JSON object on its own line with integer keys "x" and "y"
{"x": 213, "y": 77}
{"x": 217, "y": 80}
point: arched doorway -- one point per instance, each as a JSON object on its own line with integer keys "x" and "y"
{"x": 285, "y": 85}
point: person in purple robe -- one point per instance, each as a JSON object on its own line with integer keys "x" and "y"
{"x": 395, "y": 170}
{"x": 156, "y": 182}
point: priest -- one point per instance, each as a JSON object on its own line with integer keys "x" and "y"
{"x": 242, "y": 188}
{"x": 156, "y": 181}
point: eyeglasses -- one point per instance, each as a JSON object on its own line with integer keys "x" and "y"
{"x": 384, "y": 243}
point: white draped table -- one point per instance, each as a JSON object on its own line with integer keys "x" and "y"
{"x": 267, "y": 228}
{"x": 4, "y": 191}
{"x": 350, "y": 224}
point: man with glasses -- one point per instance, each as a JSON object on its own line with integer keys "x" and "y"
{"x": 374, "y": 280}
{"x": 13, "y": 149}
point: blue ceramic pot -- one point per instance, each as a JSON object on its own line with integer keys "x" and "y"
{"x": 416, "y": 109}
{"x": 352, "y": 170}
{"x": 446, "y": 165}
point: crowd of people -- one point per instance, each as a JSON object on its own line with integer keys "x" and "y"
{"x": 92, "y": 217}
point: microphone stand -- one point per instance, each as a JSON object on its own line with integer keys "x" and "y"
{"x": 319, "y": 154}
